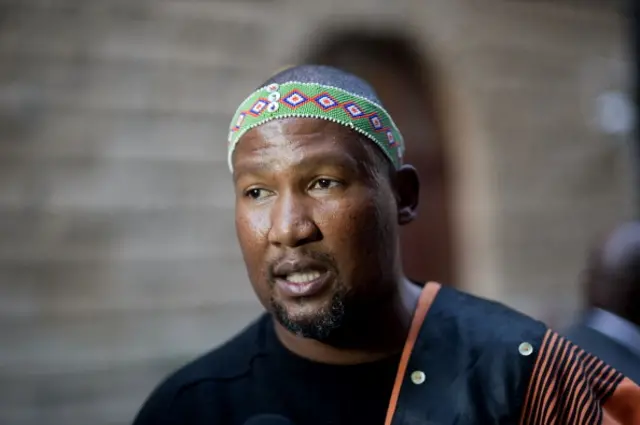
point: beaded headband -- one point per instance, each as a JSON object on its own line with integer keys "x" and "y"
{"x": 311, "y": 100}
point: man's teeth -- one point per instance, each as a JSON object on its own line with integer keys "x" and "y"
{"x": 303, "y": 277}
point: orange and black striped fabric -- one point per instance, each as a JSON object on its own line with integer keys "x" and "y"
{"x": 571, "y": 386}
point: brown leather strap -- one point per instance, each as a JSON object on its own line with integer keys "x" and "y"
{"x": 427, "y": 296}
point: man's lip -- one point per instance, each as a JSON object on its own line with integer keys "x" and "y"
{"x": 285, "y": 268}
{"x": 307, "y": 289}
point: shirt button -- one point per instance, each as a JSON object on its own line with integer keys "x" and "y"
{"x": 418, "y": 377}
{"x": 525, "y": 349}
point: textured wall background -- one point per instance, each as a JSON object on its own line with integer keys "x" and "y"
{"x": 118, "y": 258}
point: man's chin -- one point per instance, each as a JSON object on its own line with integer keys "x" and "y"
{"x": 310, "y": 319}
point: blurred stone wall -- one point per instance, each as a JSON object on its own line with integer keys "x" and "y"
{"x": 118, "y": 259}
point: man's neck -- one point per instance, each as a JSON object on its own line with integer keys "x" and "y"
{"x": 384, "y": 334}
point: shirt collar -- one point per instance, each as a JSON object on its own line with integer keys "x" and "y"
{"x": 615, "y": 327}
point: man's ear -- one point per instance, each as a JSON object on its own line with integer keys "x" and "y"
{"x": 407, "y": 187}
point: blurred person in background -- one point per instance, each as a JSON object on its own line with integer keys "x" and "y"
{"x": 321, "y": 194}
{"x": 610, "y": 328}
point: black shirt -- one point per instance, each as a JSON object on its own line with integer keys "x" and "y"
{"x": 255, "y": 374}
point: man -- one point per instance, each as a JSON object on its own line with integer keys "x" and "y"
{"x": 321, "y": 191}
{"x": 611, "y": 327}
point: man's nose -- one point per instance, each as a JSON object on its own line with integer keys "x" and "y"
{"x": 291, "y": 222}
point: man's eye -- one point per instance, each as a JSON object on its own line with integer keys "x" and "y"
{"x": 324, "y": 184}
{"x": 256, "y": 193}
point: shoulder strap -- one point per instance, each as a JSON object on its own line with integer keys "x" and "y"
{"x": 429, "y": 293}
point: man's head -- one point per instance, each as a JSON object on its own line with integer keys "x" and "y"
{"x": 614, "y": 275}
{"x": 319, "y": 199}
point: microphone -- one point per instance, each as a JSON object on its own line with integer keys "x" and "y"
{"x": 268, "y": 420}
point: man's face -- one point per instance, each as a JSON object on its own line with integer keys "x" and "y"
{"x": 316, "y": 218}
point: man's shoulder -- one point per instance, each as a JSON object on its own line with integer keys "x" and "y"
{"x": 207, "y": 375}
{"x": 485, "y": 322}
{"x": 475, "y": 340}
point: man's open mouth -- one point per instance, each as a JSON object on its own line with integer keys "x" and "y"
{"x": 303, "y": 277}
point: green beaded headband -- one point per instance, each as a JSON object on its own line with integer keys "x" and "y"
{"x": 310, "y": 100}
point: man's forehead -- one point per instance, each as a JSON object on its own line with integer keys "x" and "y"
{"x": 298, "y": 139}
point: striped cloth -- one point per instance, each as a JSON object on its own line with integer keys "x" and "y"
{"x": 571, "y": 386}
